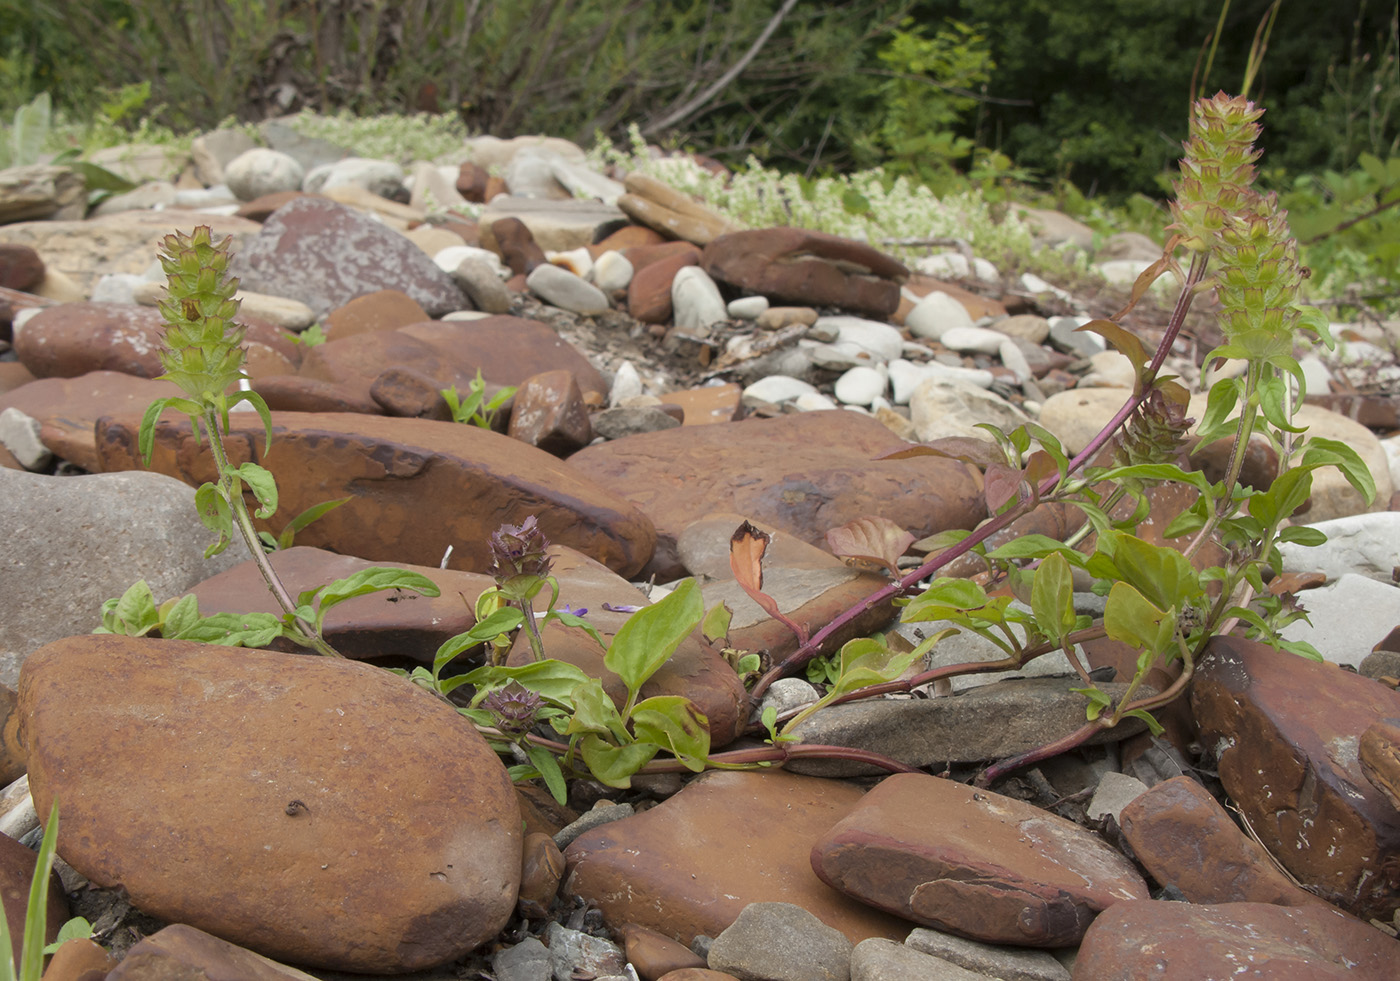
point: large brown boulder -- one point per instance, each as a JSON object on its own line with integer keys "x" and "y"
{"x": 416, "y": 486}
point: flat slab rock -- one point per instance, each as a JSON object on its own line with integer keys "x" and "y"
{"x": 415, "y": 486}
{"x": 802, "y": 474}
{"x": 973, "y": 863}
{"x": 1286, "y": 732}
{"x": 691, "y": 864}
{"x": 1260, "y": 941}
{"x": 281, "y": 802}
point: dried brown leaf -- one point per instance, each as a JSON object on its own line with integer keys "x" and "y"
{"x": 871, "y": 539}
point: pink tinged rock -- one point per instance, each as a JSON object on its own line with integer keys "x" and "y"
{"x": 973, "y": 863}
{"x": 691, "y": 864}
{"x": 415, "y": 485}
{"x": 550, "y": 413}
{"x": 181, "y": 951}
{"x": 1185, "y": 942}
{"x": 1184, "y": 838}
{"x": 382, "y": 310}
{"x": 279, "y": 801}
{"x": 1286, "y": 732}
{"x": 803, "y": 474}
{"x": 326, "y": 254}
{"x": 806, "y": 268}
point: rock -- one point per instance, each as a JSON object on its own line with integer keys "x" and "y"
{"x": 405, "y": 478}
{"x": 1285, "y": 731}
{"x": 654, "y": 955}
{"x": 1114, "y": 792}
{"x": 1006, "y": 963}
{"x": 482, "y": 286}
{"x": 626, "y": 384}
{"x": 884, "y": 960}
{"x": 550, "y": 413}
{"x": 1335, "y": 630}
{"x": 213, "y": 151}
{"x": 541, "y": 869}
{"x": 17, "y": 867}
{"x": 1128, "y": 246}
{"x": 1055, "y": 227}
{"x": 260, "y": 171}
{"x": 623, "y": 421}
{"x": 381, "y": 310}
{"x": 783, "y": 942}
{"x": 1125, "y": 272}
{"x": 385, "y": 625}
{"x": 1066, "y": 335}
{"x": 284, "y": 842}
{"x": 180, "y": 951}
{"x": 935, "y": 315}
{"x": 78, "y": 957}
{"x": 612, "y": 272}
{"x": 149, "y": 196}
{"x": 649, "y": 294}
{"x": 72, "y": 339}
{"x": 526, "y": 961}
{"x": 1026, "y": 326}
{"x": 864, "y": 339}
{"x": 1185, "y": 839}
{"x": 650, "y": 202}
{"x": 20, "y": 267}
{"x": 906, "y": 377}
{"x": 399, "y": 217}
{"x": 556, "y": 225}
{"x": 794, "y": 265}
{"x": 54, "y": 580}
{"x": 860, "y": 386}
{"x": 809, "y": 584}
{"x": 776, "y": 318}
{"x": 973, "y": 863}
{"x": 987, "y": 722}
{"x": 573, "y": 953}
{"x": 1363, "y": 544}
{"x": 40, "y": 191}
{"x": 1184, "y": 942}
{"x": 747, "y": 307}
{"x": 972, "y": 340}
{"x": 529, "y": 175}
{"x": 85, "y": 251}
{"x": 326, "y": 254}
{"x": 696, "y": 300}
{"x": 600, "y": 814}
{"x": 68, "y": 408}
{"x": 1076, "y": 416}
{"x": 517, "y": 246}
{"x": 802, "y": 474}
{"x": 563, "y": 289}
{"x": 19, "y": 434}
{"x": 748, "y": 839}
{"x": 944, "y": 407}
{"x": 708, "y": 404}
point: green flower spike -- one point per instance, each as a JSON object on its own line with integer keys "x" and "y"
{"x": 204, "y": 353}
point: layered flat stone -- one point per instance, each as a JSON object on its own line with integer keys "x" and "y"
{"x": 306, "y": 821}
{"x": 988, "y": 722}
{"x": 802, "y": 474}
{"x": 1184, "y": 838}
{"x": 973, "y": 863}
{"x": 1286, "y": 733}
{"x": 690, "y": 865}
{"x": 1186, "y": 942}
{"x": 392, "y": 625}
{"x": 180, "y": 951}
{"x": 326, "y": 254}
{"x": 807, "y": 268}
{"x": 416, "y": 486}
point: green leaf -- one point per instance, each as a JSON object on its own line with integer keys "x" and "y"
{"x": 256, "y": 401}
{"x": 99, "y": 178}
{"x": 136, "y": 610}
{"x": 676, "y": 724}
{"x": 179, "y": 616}
{"x": 1052, "y": 598}
{"x": 299, "y": 523}
{"x": 32, "y": 950}
{"x": 1153, "y": 726}
{"x": 146, "y": 435}
{"x": 549, "y": 770}
{"x": 1128, "y": 616}
{"x": 1320, "y": 451}
{"x": 503, "y": 621}
{"x": 1220, "y": 403}
{"x": 372, "y": 580}
{"x": 652, "y": 634}
{"x": 552, "y": 680}
{"x": 715, "y": 626}
{"x": 31, "y": 128}
{"x": 574, "y": 620}
{"x": 1274, "y": 404}
{"x": 75, "y": 929}
{"x": 1098, "y": 701}
{"x": 261, "y": 483}
{"x": 233, "y": 629}
{"x": 1035, "y": 546}
{"x": 214, "y": 511}
{"x": 595, "y": 712}
{"x": 960, "y": 594}
{"x": 615, "y": 765}
{"x": 867, "y": 661}
{"x": 1162, "y": 574}
{"x": 1303, "y": 535}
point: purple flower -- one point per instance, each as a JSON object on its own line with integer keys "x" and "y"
{"x": 514, "y": 707}
{"x": 519, "y": 550}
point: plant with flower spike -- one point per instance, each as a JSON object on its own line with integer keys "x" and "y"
{"x": 203, "y": 355}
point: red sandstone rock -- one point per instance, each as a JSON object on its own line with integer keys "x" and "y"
{"x": 381, "y": 310}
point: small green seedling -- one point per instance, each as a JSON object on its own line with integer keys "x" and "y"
{"x": 476, "y": 408}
